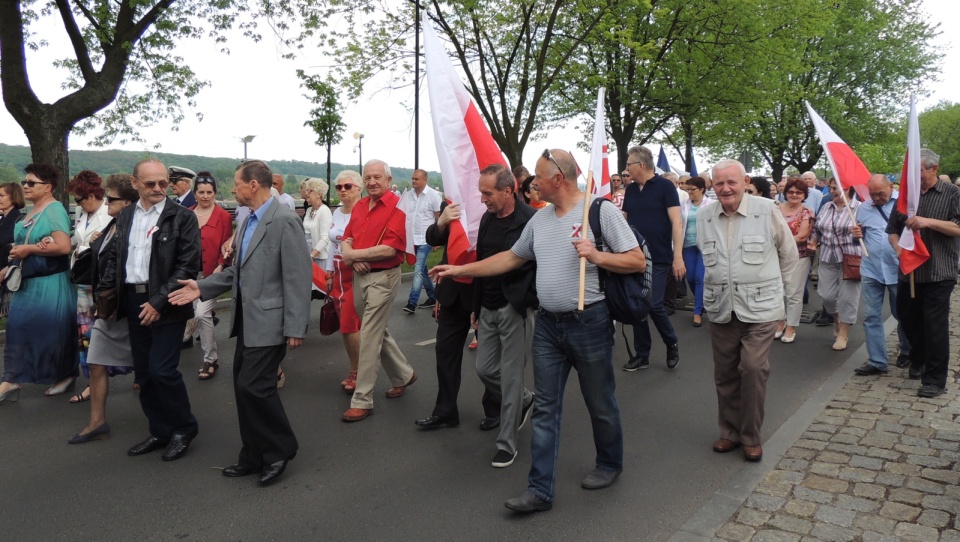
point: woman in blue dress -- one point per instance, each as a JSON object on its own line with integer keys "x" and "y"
{"x": 42, "y": 327}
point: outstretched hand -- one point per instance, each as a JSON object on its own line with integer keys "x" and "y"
{"x": 185, "y": 295}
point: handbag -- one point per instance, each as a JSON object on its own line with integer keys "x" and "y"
{"x": 107, "y": 303}
{"x": 82, "y": 270}
{"x": 851, "y": 267}
{"x": 329, "y": 319}
{"x": 14, "y": 278}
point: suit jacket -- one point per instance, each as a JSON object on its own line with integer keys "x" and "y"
{"x": 188, "y": 200}
{"x": 7, "y": 224}
{"x": 275, "y": 275}
{"x": 174, "y": 255}
{"x": 449, "y": 292}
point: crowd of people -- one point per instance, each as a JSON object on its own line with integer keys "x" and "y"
{"x": 135, "y": 276}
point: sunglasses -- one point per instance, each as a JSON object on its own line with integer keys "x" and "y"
{"x": 78, "y": 200}
{"x": 153, "y": 184}
{"x": 111, "y": 199}
{"x": 546, "y": 154}
{"x": 205, "y": 180}
{"x": 344, "y": 186}
{"x": 31, "y": 184}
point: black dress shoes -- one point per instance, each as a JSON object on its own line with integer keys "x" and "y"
{"x": 869, "y": 370}
{"x": 903, "y": 361}
{"x": 436, "y": 422}
{"x": 178, "y": 445}
{"x": 152, "y": 443}
{"x": 527, "y": 503}
{"x": 490, "y": 423}
{"x": 916, "y": 373}
{"x": 272, "y": 472}
{"x": 238, "y": 471}
{"x": 930, "y": 390}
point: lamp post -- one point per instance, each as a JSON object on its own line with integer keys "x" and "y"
{"x": 246, "y": 140}
{"x": 359, "y": 137}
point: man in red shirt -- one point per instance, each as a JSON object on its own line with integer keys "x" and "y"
{"x": 374, "y": 244}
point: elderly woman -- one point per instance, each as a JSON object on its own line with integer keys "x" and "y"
{"x": 92, "y": 218}
{"x": 833, "y": 234}
{"x": 215, "y": 228}
{"x": 800, "y": 220}
{"x": 617, "y": 190}
{"x": 11, "y": 201}
{"x": 42, "y": 327}
{"x": 317, "y": 220}
{"x": 109, "y": 353}
{"x": 696, "y": 187}
{"x": 340, "y": 275}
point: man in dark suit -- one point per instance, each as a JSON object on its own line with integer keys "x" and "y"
{"x": 271, "y": 281}
{"x": 181, "y": 180}
{"x": 158, "y": 243}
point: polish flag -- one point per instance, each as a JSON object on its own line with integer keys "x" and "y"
{"x": 914, "y": 252}
{"x": 847, "y": 167}
{"x": 464, "y": 147}
{"x": 598, "y": 155}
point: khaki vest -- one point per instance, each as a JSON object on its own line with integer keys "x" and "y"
{"x": 741, "y": 276}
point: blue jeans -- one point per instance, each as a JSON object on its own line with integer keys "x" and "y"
{"x": 641, "y": 331}
{"x": 582, "y": 341}
{"x": 693, "y": 261}
{"x": 872, "y": 291}
{"x": 420, "y": 277}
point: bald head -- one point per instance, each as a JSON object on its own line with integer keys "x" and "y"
{"x": 881, "y": 189}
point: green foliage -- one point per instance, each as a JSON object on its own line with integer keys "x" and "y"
{"x": 940, "y": 132}
{"x": 8, "y": 173}
{"x": 326, "y": 119}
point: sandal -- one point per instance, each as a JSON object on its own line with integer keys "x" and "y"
{"x": 81, "y": 397}
{"x": 350, "y": 384}
{"x": 840, "y": 344}
{"x": 281, "y": 379}
{"x": 206, "y": 373}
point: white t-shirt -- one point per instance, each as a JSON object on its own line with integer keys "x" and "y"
{"x": 340, "y": 222}
{"x": 549, "y": 240}
{"x": 423, "y": 215}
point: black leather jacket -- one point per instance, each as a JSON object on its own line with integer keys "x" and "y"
{"x": 518, "y": 286}
{"x": 175, "y": 255}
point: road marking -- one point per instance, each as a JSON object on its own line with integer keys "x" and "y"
{"x": 425, "y": 343}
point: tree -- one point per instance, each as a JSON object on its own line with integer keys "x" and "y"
{"x": 326, "y": 119}
{"x": 854, "y": 73}
{"x": 940, "y": 132}
{"x": 512, "y": 52}
{"x": 121, "y": 56}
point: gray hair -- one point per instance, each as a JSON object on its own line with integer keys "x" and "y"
{"x": 317, "y": 185}
{"x": 386, "y": 168}
{"x": 350, "y": 175}
{"x": 674, "y": 178}
{"x": 642, "y": 154}
{"x": 727, "y": 163}
{"x": 808, "y": 174}
{"x": 928, "y": 158}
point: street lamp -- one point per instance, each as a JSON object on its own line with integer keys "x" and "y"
{"x": 359, "y": 137}
{"x": 246, "y": 140}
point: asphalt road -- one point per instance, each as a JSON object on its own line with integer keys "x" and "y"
{"x": 383, "y": 479}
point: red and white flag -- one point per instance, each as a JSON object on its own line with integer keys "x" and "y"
{"x": 464, "y": 146}
{"x": 598, "y": 154}
{"x": 914, "y": 252}
{"x": 847, "y": 167}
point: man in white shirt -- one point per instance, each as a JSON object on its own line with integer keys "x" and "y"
{"x": 284, "y": 198}
{"x": 424, "y": 211}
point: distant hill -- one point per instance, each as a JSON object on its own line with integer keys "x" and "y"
{"x": 13, "y": 158}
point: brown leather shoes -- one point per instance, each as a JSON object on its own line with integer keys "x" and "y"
{"x": 724, "y": 445}
{"x": 753, "y": 453}
{"x": 398, "y": 391}
{"x": 356, "y": 414}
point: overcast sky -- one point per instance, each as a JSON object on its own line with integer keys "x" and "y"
{"x": 275, "y": 112}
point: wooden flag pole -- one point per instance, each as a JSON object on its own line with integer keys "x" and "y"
{"x": 584, "y": 226}
{"x": 913, "y": 291}
{"x": 853, "y": 219}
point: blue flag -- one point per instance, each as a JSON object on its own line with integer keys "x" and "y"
{"x": 693, "y": 166}
{"x": 662, "y": 161}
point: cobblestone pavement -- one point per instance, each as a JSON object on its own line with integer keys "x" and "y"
{"x": 877, "y": 464}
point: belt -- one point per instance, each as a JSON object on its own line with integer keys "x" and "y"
{"x": 139, "y": 288}
{"x": 383, "y": 269}
{"x": 569, "y": 314}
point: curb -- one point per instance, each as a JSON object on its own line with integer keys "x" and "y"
{"x": 705, "y": 522}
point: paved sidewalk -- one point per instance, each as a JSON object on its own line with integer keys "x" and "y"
{"x": 876, "y": 463}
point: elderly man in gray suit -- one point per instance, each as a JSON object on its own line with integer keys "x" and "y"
{"x": 271, "y": 279}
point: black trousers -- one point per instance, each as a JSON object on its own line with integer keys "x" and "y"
{"x": 156, "y": 357}
{"x": 265, "y": 431}
{"x": 452, "y": 330}
{"x": 926, "y": 321}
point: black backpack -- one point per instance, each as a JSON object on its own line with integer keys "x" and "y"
{"x": 627, "y": 295}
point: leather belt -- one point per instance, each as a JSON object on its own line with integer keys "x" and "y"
{"x": 139, "y": 288}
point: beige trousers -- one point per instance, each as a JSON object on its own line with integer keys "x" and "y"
{"x": 373, "y": 295}
{"x": 741, "y": 367}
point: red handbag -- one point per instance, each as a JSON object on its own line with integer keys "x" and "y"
{"x": 329, "y": 319}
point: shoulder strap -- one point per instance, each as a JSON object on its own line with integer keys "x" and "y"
{"x": 883, "y": 214}
{"x": 594, "y": 221}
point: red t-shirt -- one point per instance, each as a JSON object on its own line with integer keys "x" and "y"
{"x": 382, "y": 225}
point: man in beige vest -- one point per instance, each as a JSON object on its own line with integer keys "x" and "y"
{"x": 748, "y": 251}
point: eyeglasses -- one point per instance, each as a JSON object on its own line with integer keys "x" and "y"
{"x": 111, "y": 199}
{"x": 634, "y": 163}
{"x": 546, "y": 154}
{"x": 31, "y": 184}
{"x": 153, "y": 184}
{"x": 344, "y": 186}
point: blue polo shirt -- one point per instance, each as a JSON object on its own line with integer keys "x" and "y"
{"x": 647, "y": 211}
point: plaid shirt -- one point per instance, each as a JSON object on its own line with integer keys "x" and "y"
{"x": 832, "y": 231}
{"x": 941, "y": 202}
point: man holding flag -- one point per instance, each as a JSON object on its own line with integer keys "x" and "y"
{"x": 934, "y": 223}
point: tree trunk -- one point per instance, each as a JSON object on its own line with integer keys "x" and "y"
{"x": 688, "y": 138}
{"x": 48, "y": 145}
{"x": 329, "y": 180}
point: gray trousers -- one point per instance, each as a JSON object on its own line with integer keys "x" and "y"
{"x": 839, "y": 296}
{"x": 503, "y": 349}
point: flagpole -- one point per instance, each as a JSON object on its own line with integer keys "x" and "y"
{"x": 585, "y": 225}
